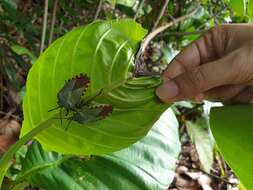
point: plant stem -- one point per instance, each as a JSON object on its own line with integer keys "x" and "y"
{"x": 209, "y": 174}
{"x": 183, "y": 33}
{"x": 161, "y": 13}
{"x": 154, "y": 33}
{"x": 160, "y": 29}
{"x": 53, "y": 22}
{"x": 98, "y": 9}
{"x": 139, "y": 9}
{"x": 7, "y": 157}
{"x": 44, "y": 29}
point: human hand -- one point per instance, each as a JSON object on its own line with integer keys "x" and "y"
{"x": 218, "y": 67}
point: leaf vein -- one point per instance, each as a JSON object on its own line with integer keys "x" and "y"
{"x": 95, "y": 53}
{"x": 114, "y": 60}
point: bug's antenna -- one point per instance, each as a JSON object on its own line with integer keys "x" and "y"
{"x": 67, "y": 112}
{"x": 54, "y": 109}
{"x": 61, "y": 116}
{"x": 66, "y": 128}
{"x": 67, "y": 118}
{"x": 92, "y": 98}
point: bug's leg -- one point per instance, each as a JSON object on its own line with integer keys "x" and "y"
{"x": 54, "y": 109}
{"x": 70, "y": 120}
{"x": 98, "y": 94}
{"x": 61, "y": 116}
{"x": 67, "y": 112}
{"x": 91, "y": 99}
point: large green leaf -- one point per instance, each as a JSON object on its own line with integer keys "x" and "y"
{"x": 232, "y": 127}
{"x": 103, "y": 50}
{"x": 250, "y": 9}
{"x": 201, "y": 136}
{"x": 147, "y": 165}
{"x": 238, "y": 7}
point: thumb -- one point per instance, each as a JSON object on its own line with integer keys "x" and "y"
{"x": 199, "y": 79}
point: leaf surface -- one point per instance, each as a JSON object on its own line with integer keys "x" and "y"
{"x": 104, "y": 51}
{"x": 149, "y": 164}
{"x": 250, "y": 9}
{"x": 238, "y": 7}
{"x": 232, "y": 127}
{"x": 200, "y": 135}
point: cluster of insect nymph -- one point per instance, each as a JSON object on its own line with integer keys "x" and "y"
{"x": 70, "y": 102}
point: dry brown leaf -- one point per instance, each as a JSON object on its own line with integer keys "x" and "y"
{"x": 5, "y": 142}
{"x": 9, "y": 127}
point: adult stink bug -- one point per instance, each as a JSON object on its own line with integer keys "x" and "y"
{"x": 87, "y": 114}
{"x": 69, "y": 98}
{"x": 92, "y": 113}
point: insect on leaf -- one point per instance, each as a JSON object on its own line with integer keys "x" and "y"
{"x": 105, "y": 51}
{"x": 70, "y": 95}
{"x": 88, "y": 114}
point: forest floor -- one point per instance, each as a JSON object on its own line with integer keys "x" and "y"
{"x": 190, "y": 176}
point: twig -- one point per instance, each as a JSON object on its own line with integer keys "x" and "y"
{"x": 139, "y": 63}
{"x": 60, "y": 28}
{"x": 218, "y": 177}
{"x": 139, "y": 9}
{"x": 160, "y": 29}
{"x": 222, "y": 163}
{"x": 98, "y": 10}
{"x": 161, "y": 13}
{"x": 9, "y": 114}
{"x": 53, "y": 22}
{"x": 1, "y": 84}
{"x": 43, "y": 37}
{"x": 171, "y": 17}
{"x": 209, "y": 174}
{"x": 182, "y": 33}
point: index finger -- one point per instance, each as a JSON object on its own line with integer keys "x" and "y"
{"x": 207, "y": 48}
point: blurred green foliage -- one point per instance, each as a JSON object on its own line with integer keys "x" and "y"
{"x": 21, "y": 28}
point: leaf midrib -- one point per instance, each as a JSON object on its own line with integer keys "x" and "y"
{"x": 41, "y": 167}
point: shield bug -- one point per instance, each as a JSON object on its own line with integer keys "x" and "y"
{"x": 92, "y": 113}
{"x": 70, "y": 95}
{"x": 70, "y": 99}
{"x": 87, "y": 114}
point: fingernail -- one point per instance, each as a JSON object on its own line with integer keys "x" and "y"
{"x": 167, "y": 91}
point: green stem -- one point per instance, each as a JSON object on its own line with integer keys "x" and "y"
{"x": 5, "y": 161}
{"x": 34, "y": 170}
